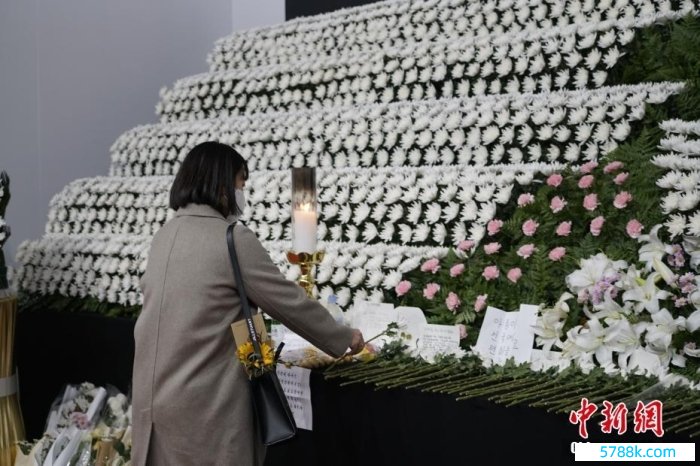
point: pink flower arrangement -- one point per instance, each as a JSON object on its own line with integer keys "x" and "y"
{"x": 634, "y": 228}
{"x": 622, "y": 199}
{"x": 480, "y": 302}
{"x": 588, "y": 167}
{"x": 526, "y": 250}
{"x": 525, "y": 199}
{"x": 613, "y": 166}
{"x": 494, "y": 226}
{"x": 564, "y": 229}
{"x": 456, "y": 270}
{"x": 490, "y": 272}
{"x": 431, "y": 290}
{"x": 465, "y": 245}
{"x": 586, "y": 181}
{"x": 492, "y": 248}
{"x": 620, "y": 178}
{"x": 403, "y": 287}
{"x": 452, "y": 301}
{"x": 597, "y": 225}
{"x": 590, "y": 202}
{"x": 556, "y": 254}
{"x": 530, "y": 227}
{"x": 557, "y": 204}
{"x": 514, "y": 274}
{"x": 554, "y": 180}
{"x": 431, "y": 265}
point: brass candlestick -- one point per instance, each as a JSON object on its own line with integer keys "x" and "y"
{"x": 306, "y": 263}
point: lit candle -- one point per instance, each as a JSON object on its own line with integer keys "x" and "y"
{"x": 304, "y": 230}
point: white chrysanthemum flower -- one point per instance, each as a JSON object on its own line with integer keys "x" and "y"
{"x": 405, "y": 233}
{"x": 562, "y": 78}
{"x": 670, "y": 202}
{"x": 676, "y": 225}
{"x": 421, "y": 232}
{"x": 688, "y": 200}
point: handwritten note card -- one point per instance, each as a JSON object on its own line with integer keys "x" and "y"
{"x": 295, "y": 383}
{"x": 438, "y": 339}
{"x": 372, "y": 319}
{"x": 506, "y": 335}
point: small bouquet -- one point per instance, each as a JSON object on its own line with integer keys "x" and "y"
{"x": 255, "y": 364}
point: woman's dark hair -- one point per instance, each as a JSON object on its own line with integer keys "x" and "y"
{"x": 208, "y": 176}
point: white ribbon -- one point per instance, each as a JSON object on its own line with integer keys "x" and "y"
{"x": 8, "y": 386}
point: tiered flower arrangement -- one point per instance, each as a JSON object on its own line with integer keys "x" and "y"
{"x": 395, "y": 24}
{"x": 571, "y": 57}
{"x": 494, "y": 129}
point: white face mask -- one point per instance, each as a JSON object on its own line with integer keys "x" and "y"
{"x": 241, "y": 201}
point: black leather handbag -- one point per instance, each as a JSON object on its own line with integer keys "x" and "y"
{"x": 273, "y": 416}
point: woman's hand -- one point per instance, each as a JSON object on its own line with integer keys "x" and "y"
{"x": 357, "y": 343}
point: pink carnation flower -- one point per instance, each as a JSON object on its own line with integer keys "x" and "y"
{"x": 588, "y": 167}
{"x": 490, "y": 272}
{"x": 622, "y": 199}
{"x": 557, "y": 204}
{"x": 456, "y": 270}
{"x": 514, "y": 274}
{"x": 597, "y": 225}
{"x": 557, "y": 253}
{"x": 526, "y": 250}
{"x": 554, "y": 180}
{"x": 494, "y": 226}
{"x": 465, "y": 245}
{"x": 634, "y": 228}
{"x": 564, "y": 229}
{"x": 492, "y": 248}
{"x": 452, "y": 302}
{"x": 530, "y": 227}
{"x": 590, "y": 202}
{"x": 525, "y": 199}
{"x": 621, "y": 178}
{"x": 403, "y": 287}
{"x": 613, "y": 166}
{"x": 431, "y": 290}
{"x": 431, "y": 265}
{"x": 586, "y": 181}
{"x": 480, "y": 302}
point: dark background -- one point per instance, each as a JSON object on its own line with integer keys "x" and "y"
{"x": 297, "y": 8}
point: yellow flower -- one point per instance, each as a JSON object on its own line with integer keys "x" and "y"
{"x": 245, "y": 351}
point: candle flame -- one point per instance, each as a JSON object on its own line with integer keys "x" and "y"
{"x": 306, "y": 207}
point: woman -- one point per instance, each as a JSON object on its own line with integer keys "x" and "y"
{"x": 191, "y": 400}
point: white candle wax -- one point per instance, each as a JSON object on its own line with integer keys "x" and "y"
{"x": 304, "y": 232}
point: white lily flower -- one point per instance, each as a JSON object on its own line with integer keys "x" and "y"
{"x": 661, "y": 330}
{"x": 653, "y": 248}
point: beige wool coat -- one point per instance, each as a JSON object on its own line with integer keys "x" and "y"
{"x": 191, "y": 402}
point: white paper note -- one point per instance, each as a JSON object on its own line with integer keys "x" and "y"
{"x": 296, "y": 386}
{"x": 497, "y": 335}
{"x": 373, "y": 319}
{"x": 506, "y": 335}
{"x": 438, "y": 339}
{"x": 412, "y": 323}
{"x": 524, "y": 333}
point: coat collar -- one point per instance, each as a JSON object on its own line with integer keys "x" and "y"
{"x": 202, "y": 210}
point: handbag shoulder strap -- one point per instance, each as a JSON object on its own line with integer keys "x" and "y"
{"x": 241, "y": 289}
